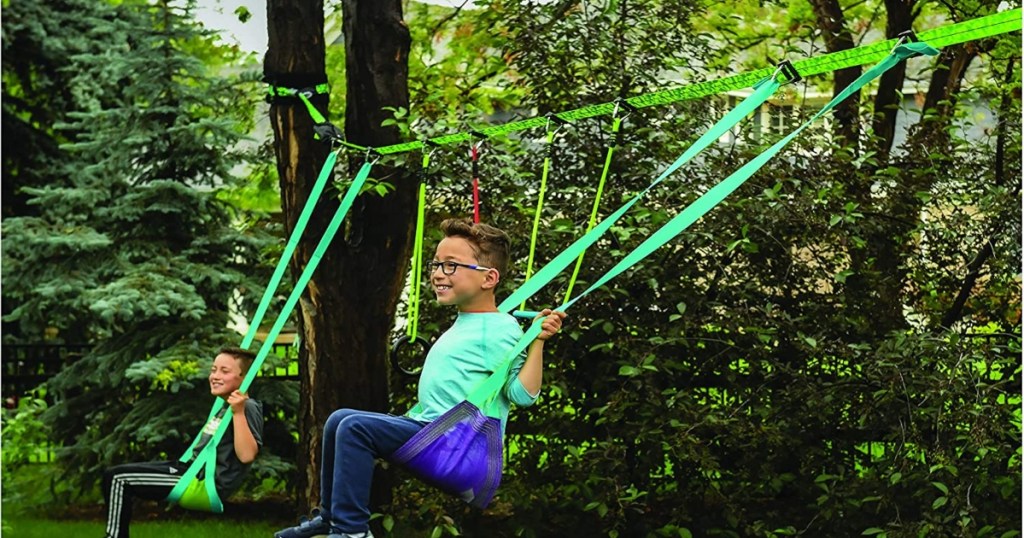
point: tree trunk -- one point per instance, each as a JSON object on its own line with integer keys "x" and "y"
{"x": 832, "y": 23}
{"x": 899, "y": 17}
{"x": 347, "y": 310}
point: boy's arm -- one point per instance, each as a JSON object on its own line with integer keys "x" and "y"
{"x": 531, "y": 375}
{"x": 246, "y": 446}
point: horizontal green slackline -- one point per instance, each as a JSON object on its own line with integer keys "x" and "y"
{"x": 951, "y": 34}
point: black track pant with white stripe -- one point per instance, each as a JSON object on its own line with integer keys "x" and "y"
{"x": 123, "y": 483}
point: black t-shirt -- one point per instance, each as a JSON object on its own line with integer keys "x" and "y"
{"x": 230, "y": 470}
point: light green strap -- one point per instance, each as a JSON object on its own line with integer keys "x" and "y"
{"x": 616, "y": 123}
{"x": 417, "y": 249}
{"x": 275, "y": 279}
{"x": 762, "y": 92}
{"x": 206, "y": 459}
{"x": 268, "y": 343}
{"x": 289, "y": 249}
{"x": 716, "y": 194}
{"x": 540, "y": 207}
{"x": 489, "y": 389}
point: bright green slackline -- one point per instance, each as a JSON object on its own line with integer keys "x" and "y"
{"x": 950, "y": 34}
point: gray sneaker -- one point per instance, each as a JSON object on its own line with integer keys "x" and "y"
{"x": 366, "y": 534}
{"x": 315, "y": 525}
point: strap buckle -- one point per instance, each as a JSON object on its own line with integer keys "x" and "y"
{"x": 904, "y": 37}
{"x": 327, "y": 132}
{"x": 788, "y": 71}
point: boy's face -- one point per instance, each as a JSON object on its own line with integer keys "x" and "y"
{"x": 225, "y": 375}
{"x": 465, "y": 287}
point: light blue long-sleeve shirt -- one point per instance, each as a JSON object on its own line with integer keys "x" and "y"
{"x": 463, "y": 357}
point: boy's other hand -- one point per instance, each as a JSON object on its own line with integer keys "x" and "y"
{"x": 552, "y": 323}
{"x": 237, "y": 401}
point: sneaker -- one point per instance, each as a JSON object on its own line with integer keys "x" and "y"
{"x": 315, "y": 525}
{"x": 366, "y": 534}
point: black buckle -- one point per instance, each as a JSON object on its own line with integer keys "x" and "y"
{"x": 788, "y": 72}
{"x": 621, "y": 102}
{"x": 551, "y": 116}
{"x": 328, "y": 132}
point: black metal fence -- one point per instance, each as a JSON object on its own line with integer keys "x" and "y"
{"x": 26, "y": 366}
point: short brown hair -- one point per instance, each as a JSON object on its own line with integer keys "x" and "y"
{"x": 490, "y": 244}
{"x": 244, "y": 357}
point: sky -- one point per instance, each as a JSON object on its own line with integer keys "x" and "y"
{"x": 251, "y": 35}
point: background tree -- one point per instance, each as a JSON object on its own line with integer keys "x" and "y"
{"x": 784, "y": 361}
{"x": 131, "y": 250}
{"x": 348, "y": 309}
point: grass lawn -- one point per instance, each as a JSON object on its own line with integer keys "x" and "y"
{"x": 28, "y": 527}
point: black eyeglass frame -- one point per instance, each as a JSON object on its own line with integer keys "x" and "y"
{"x": 432, "y": 266}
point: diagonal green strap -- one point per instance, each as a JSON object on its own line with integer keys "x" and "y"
{"x": 762, "y": 92}
{"x": 716, "y": 194}
{"x": 487, "y": 392}
{"x": 210, "y": 450}
{"x": 540, "y": 206}
{"x": 275, "y": 279}
{"x": 616, "y": 123}
{"x": 995, "y": 24}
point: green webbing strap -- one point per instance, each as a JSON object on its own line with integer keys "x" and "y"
{"x": 998, "y": 23}
{"x": 417, "y": 260}
{"x": 616, "y": 123}
{"x": 275, "y": 279}
{"x": 208, "y": 455}
{"x": 540, "y": 204}
{"x": 318, "y": 118}
{"x": 765, "y": 89}
{"x": 303, "y": 94}
{"x": 484, "y": 395}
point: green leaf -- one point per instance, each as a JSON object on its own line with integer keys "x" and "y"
{"x": 871, "y": 531}
{"x": 629, "y": 371}
{"x": 941, "y": 487}
{"x": 940, "y": 502}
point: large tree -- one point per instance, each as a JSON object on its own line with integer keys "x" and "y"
{"x": 347, "y": 312}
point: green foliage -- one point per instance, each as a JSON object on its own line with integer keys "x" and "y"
{"x": 747, "y": 379}
{"x": 132, "y": 247}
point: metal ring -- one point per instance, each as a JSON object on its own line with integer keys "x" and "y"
{"x": 397, "y": 345}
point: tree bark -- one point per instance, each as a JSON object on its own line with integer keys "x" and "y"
{"x": 832, "y": 23}
{"x": 900, "y": 17}
{"x": 347, "y": 311}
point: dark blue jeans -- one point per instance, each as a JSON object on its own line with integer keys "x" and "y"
{"x": 352, "y": 440}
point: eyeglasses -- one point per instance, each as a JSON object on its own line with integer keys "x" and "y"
{"x": 449, "y": 267}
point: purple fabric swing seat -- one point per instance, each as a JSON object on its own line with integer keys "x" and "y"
{"x": 460, "y": 453}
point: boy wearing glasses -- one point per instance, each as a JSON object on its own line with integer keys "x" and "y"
{"x": 467, "y": 267}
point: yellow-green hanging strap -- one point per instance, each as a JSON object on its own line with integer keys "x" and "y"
{"x": 417, "y": 249}
{"x": 616, "y": 123}
{"x": 540, "y": 195}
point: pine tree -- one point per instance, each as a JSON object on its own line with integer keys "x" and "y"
{"x": 132, "y": 249}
